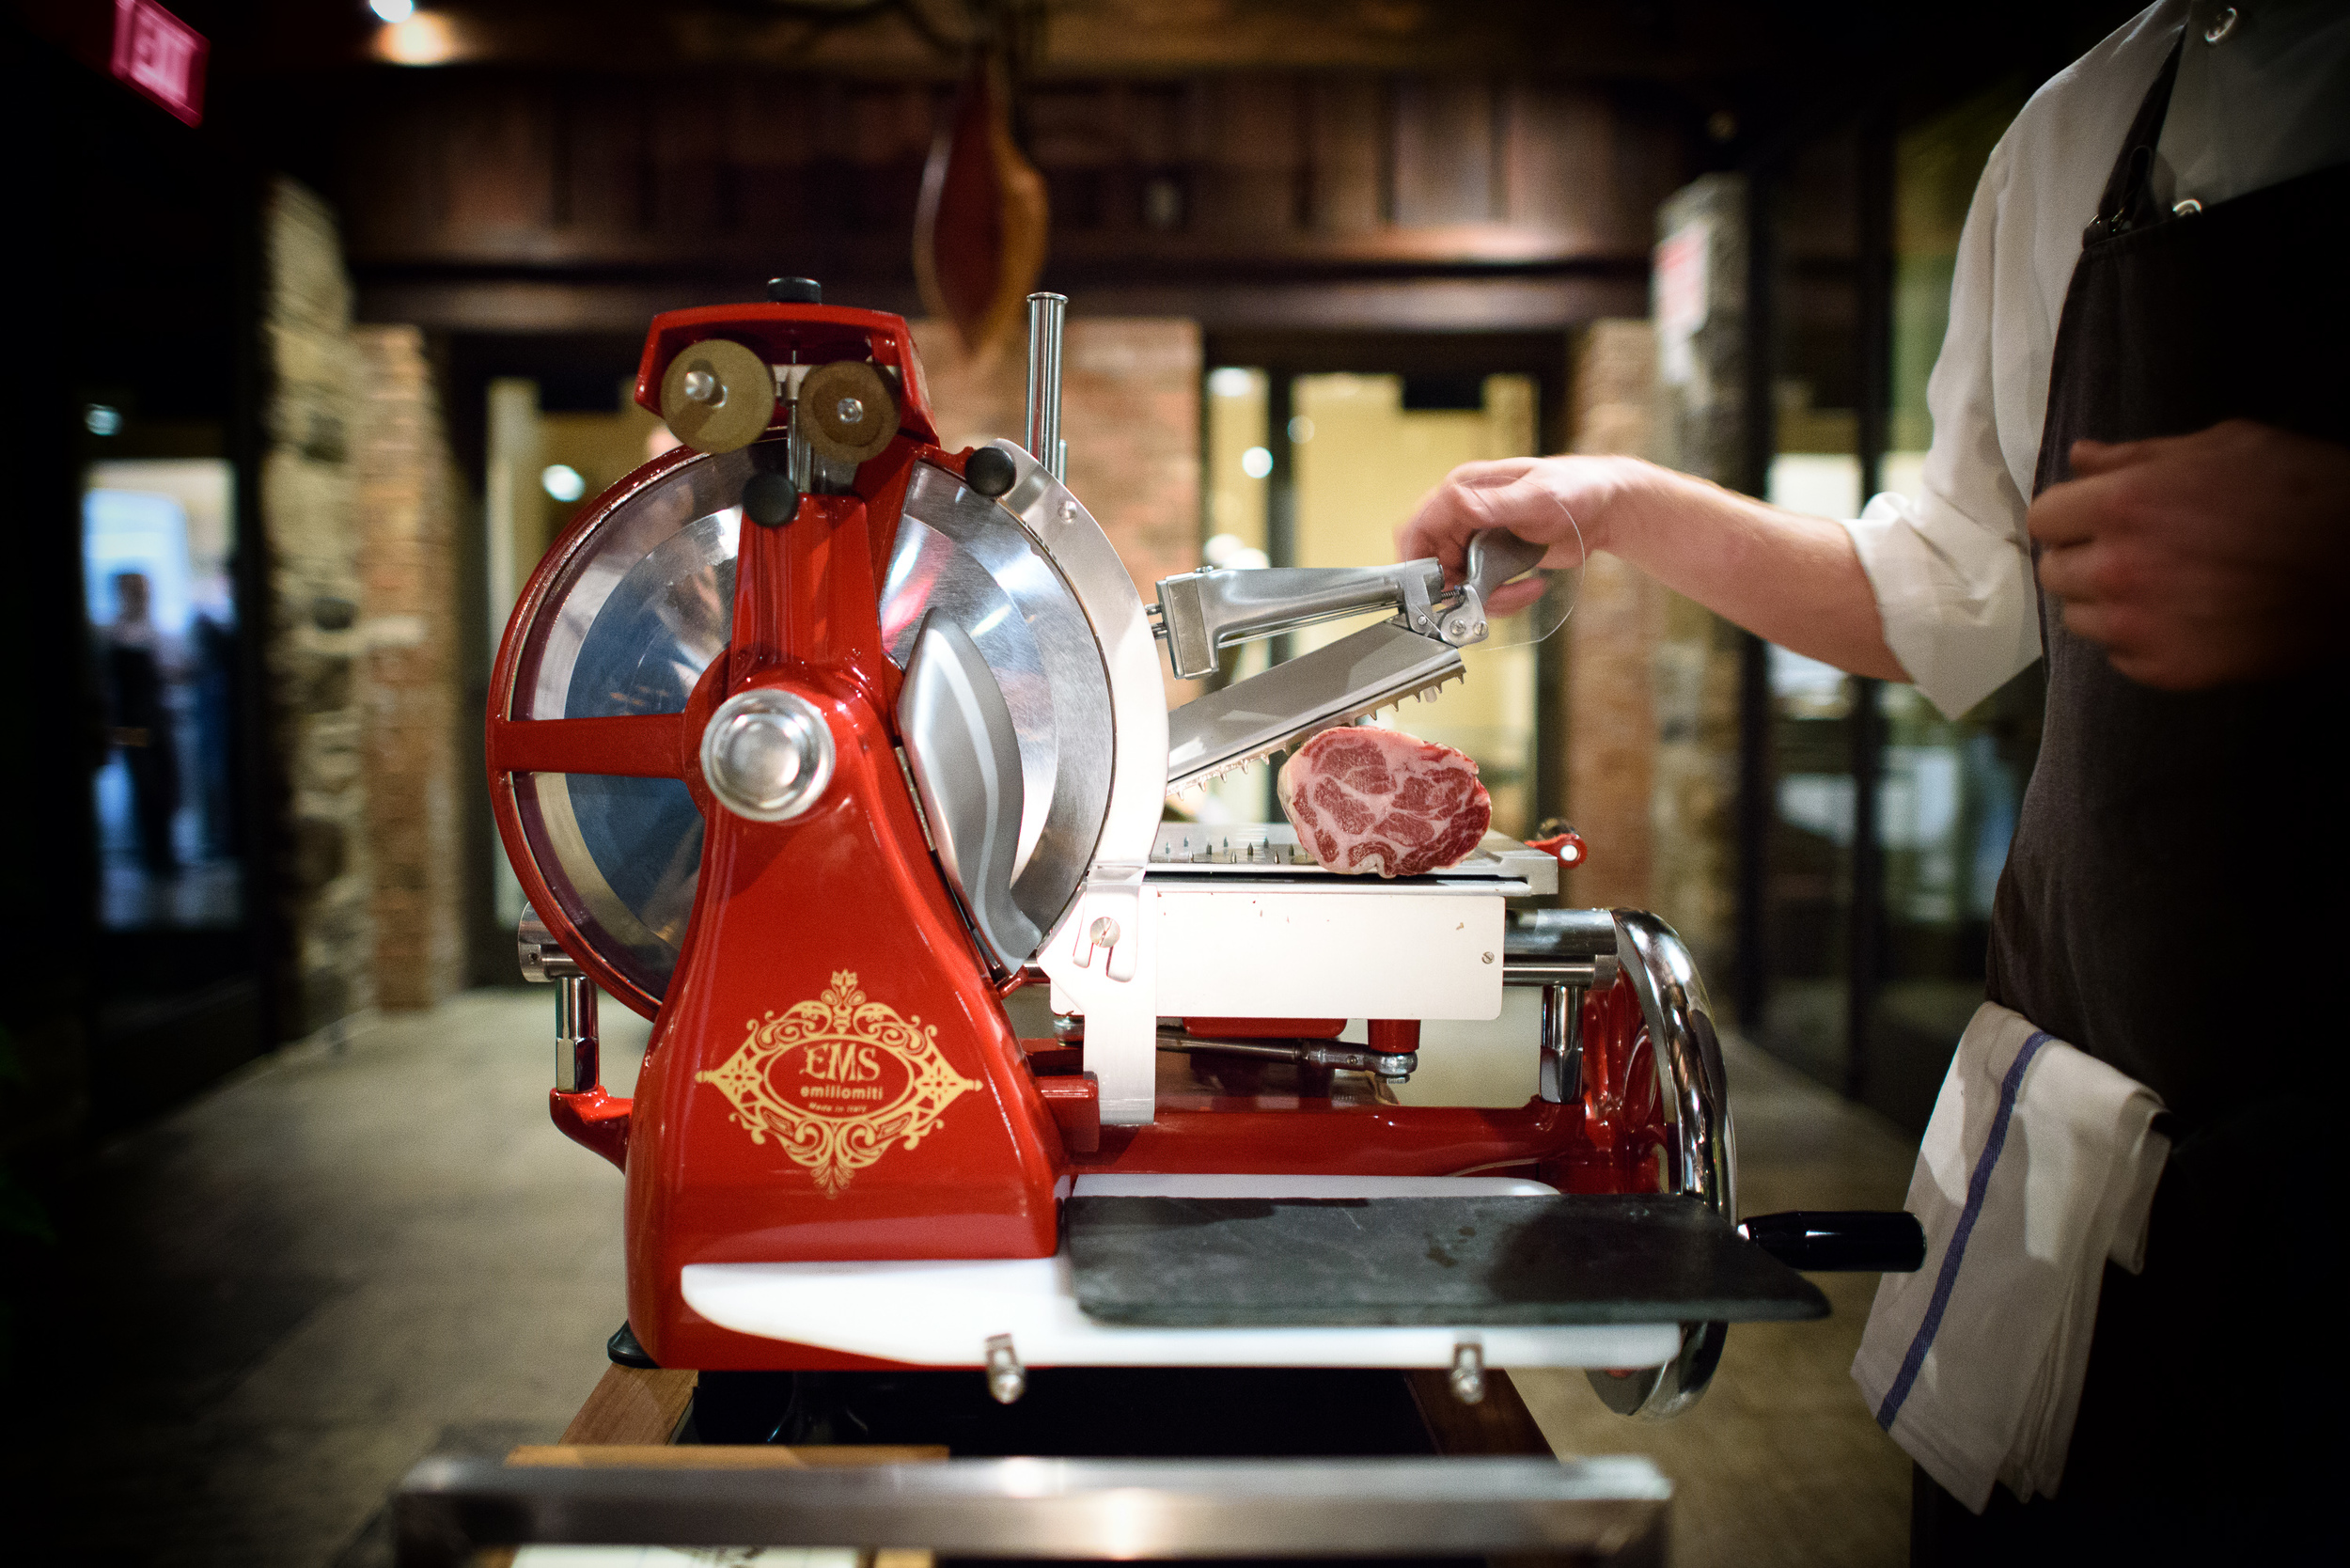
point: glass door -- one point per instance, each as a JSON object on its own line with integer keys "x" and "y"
{"x": 1367, "y": 449}
{"x": 1814, "y": 713}
{"x": 1889, "y": 821}
{"x": 157, "y": 537}
{"x": 1948, "y": 789}
{"x": 1321, "y": 469}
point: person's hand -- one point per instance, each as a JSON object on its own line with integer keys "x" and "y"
{"x": 2199, "y": 560}
{"x": 1563, "y": 503}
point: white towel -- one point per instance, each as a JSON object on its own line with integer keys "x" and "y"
{"x": 2039, "y": 1165}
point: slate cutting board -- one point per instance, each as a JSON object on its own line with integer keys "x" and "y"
{"x": 1223, "y": 1262}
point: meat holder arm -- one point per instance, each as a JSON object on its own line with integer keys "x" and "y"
{"x": 1203, "y": 613}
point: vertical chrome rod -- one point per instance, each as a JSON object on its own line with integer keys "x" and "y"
{"x": 1561, "y": 1077}
{"x": 1045, "y": 315}
{"x": 578, "y": 1065}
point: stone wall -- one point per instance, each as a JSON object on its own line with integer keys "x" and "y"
{"x": 1700, "y": 426}
{"x": 407, "y": 543}
{"x": 1619, "y": 619}
{"x": 314, "y": 646}
{"x": 1130, "y": 412}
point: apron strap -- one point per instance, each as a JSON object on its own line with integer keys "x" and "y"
{"x": 2128, "y": 201}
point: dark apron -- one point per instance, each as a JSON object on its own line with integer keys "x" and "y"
{"x": 2174, "y": 900}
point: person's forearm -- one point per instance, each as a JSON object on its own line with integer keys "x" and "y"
{"x": 1788, "y": 578}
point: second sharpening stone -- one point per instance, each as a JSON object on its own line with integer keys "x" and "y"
{"x": 1233, "y": 1262}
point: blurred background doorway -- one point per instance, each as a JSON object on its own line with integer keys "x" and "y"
{"x": 1315, "y": 452}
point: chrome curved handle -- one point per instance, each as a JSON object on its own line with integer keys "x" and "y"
{"x": 1494, "y": 556}
{"x": 1688, "y": 1056}
{"x": 1689, "y": 1061}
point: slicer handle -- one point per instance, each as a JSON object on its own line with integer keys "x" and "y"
{"x": 1840, "y": 1241}
{"x": 1495, "y": 556}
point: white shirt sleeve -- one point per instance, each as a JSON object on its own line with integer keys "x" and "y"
{"x": 1951, "y": 568}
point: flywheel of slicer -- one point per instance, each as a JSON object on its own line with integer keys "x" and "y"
{"x": 642, "y": 598}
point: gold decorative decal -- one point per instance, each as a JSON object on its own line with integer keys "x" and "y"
{"x": 837, "y": 1081}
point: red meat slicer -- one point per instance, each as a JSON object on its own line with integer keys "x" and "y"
{"x": 812, "y": 742}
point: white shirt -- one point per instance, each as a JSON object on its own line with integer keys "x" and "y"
{"x": 1951, "y": 568}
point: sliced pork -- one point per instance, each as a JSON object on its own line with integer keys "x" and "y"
{"x": 1376, "y": 801}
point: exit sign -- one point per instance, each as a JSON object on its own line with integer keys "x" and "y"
{"x": 159, "y": 55}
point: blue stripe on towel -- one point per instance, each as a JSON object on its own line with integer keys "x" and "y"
{"x": 1948, "y": 1280}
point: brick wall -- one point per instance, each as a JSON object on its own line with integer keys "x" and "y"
{"x": 1611, "y": 751}
{"x": 407, "y": 541}
{"x": 1700, "y": 427}
{"x": 314, "y": 646}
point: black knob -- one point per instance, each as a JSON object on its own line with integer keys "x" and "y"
{"x": 795, "y": 291}
{"x": 990, "y": 472}
{"x": 769, "y": 500}
{"x": 1854, "y": 1241}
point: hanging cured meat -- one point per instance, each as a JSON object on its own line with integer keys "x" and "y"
{"x": 979, "y": 228}
{"x": 1378, "y": 801}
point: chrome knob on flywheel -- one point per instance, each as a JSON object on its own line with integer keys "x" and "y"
{"x": 767, "y": 755}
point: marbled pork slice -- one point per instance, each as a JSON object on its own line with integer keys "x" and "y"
{"x": 1377, "y": 800}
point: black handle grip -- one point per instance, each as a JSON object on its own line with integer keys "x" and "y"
{"x": 1845, "y": 1241}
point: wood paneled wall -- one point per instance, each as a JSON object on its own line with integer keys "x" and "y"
{"x": 465, "y": 177}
